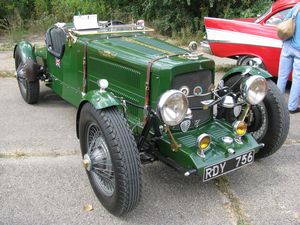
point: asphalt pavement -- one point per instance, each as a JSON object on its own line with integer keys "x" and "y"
{"x": 42, "y": 180}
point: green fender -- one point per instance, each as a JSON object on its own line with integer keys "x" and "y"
{"x": 246, "y": 70}
{"x": 27, "y": 50}
{"x": 99, "y": 99}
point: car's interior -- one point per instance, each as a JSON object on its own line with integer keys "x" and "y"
{"x": 55, "y": 41}
{"x": 278, "y": 17}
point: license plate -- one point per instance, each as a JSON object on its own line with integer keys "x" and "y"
{"x": 224, "y": 167}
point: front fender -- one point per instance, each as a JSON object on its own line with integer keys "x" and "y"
{"x": 27, "y": 50}
{"x": 246, "y": 70}
{"x": 99, "y": 99}
{"x": 24, "y": 53}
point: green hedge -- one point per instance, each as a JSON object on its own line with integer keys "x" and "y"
{"x": 168, "y": 17}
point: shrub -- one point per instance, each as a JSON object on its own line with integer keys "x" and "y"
{"x": 175, "y": 18}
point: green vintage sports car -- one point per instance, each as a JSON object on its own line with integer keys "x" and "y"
{"x": 141, "y": 99}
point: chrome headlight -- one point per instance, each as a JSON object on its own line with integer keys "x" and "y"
{"x": 172, "y": 107}
{"x": 254, "y": 89}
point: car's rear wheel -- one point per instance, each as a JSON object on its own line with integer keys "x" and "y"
{"x": 29, "y": 89}
{"x": 268, "y": 121}
{"x": 111, "y": 158}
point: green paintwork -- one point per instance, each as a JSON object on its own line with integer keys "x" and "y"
{"x": 249, "y": 70}
{"x": 42, "y": 54}
{"x": 27, "y": 50}
{"x": 122, "y": 60}
{"x": 188, "y": 158}
{"x": 100, "y": 100}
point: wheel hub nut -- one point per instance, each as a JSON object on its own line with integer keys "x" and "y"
{"x": 87, "y": 162}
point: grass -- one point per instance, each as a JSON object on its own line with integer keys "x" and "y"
{"x": 4, "y": 155}
{"x": 7, "y": 74}
{"x": 17, "y": 34}
{"x": 18, "y": 29}
{"x": 20, "y": 154}
{"x": 11, "y": 37}
{"x": 6, "y": 46}
{"x": 181, "y": 39}
{"x": 234, "y": 205}
{"x": 291, "y": 142}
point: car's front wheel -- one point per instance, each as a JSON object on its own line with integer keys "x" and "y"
{"x": 268, "y": 121}
{"x": 111, "y": 158}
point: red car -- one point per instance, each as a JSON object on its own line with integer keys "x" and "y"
{"x": 248, "y": 38}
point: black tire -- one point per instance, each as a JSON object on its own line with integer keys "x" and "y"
{"x": 274, "y": 119}
{"x": 279, "y": 121}
{"x": 29, "y": 89}
{"x": 124, "y": 171}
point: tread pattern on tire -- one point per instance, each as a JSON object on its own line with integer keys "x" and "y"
{"x": 128, "y": 171}
{"x": 33, "y": 90}
{"x": 31, "y": 96}
{"x": 278, "y": 117}
{"x": 279, "y": 121}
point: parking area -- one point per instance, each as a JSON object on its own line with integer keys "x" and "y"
{"x": 42, "y": 180}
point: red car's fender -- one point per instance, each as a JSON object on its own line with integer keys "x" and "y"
{"x": 228, "y": 38}
{"x": 231, "y": 38}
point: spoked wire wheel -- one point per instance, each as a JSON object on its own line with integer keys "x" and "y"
{"x": 20, "y": 78}
{"x": 268, "y": 121}
{"x": 257, "y": 121}
{"x": 111, "y": 158}
{"x": 98, "y": 155}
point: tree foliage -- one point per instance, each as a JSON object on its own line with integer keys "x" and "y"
{"x": 167, "y": 16}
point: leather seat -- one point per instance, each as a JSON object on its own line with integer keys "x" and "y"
{"x": 55, "y": 41}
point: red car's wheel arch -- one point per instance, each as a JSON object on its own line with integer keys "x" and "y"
{"x": 231, "y": 50}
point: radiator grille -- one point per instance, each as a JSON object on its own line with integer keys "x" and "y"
{"x": 203, "y": 79}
